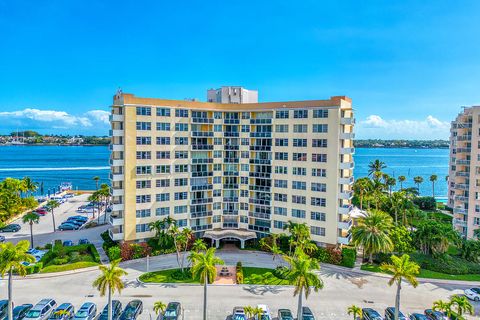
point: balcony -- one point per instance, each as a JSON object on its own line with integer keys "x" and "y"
{"x": 201, "y": 201}
{"x": 346, "y": 165}
{"x": 463, "y": 162}
{"x": 118, "y": 192}
{"x": 116, "y": 220}
{"x": 345, "y": 209}
{"x": 345, "y": 225}
{"x": 346, "y": 195}
{"x": 117, "y": 117}
{"x": 465, "y": 137}
{"x": 347, "y": 135}
{"x": 260, "y": 121}
{"x": 344, "y": 240}
{"x": 347, "y": 121}
{"x": 117, "y": 176}
{"x": 118, "y": 206}
{"x": 117, "y": 162}
{"x": 462, "y": 173}
{"x": 116, "y": 133}
{"x": 202, "y": 174}
{"x": 230, "y": 173}
{"x": 200, "y": 160}
{"x": 461, "y": 198}
{"x": 202, "y": 120}
{"x": 201, "y": 214}
{"x": 460, "y": 211}
{"x": 259, "y": 201}
{"x": 200, "y": 188}
{"x": 231, "y": 121}
{"x": 348, "y": 180}
{"x": 260, "y": 134}
{"x": 464, "y": 150}
{"x": 260, "y": 161}
{"x": 115, "y": 234}
{"x": 260, "y": 148}
{"x": 202, "y": 147}
{"x": 230, "y": 134}
{"x": 230, "y": 212}
{"x": 461, "y": 186}
{"x": 230, "y": 199}
{"x": 202, "y": 227}
{"x": 230, "y": 160}
{"x": 201, "y": 134}
{"x": 230, "y": 186}
{"x": 227, "y": 147}
{"x": 347, "y": 150}
{"x": 117, "y": 147}
{"x": 460, "y": 222}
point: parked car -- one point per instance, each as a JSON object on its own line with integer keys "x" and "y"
{"x": 11, "y": 228}
{"x": 173, "y": 311}
{"x": 2, "y": 239}
{"x": 19, "y": 312}
{"x": 68, "y": 243}
{"x": 390, "y": 314}
{"x": 239, "y": 314}
{"x": 67, "y": 226}
{"x": 88, "y": 311}
{"x": 418, "y": 316}
{"x": 473, "y": 294}
{"x": 41, "y": 211}
{"x": 83, "y": 241}
{"x": 79, "y": 218}
{"x": 307, "y": 314}
{"x": 266, "y": 315}
{"x": 116, "y": 311}
{"x": 434, "y": 315}
{"x": 3, "y": 308}
{"x": 132, "y": 310}
{"x": 74, "y": 222}
{"x": 65, "y": 311}
{"x": 285, "y": 314}
{"x": 69, "y": 195}
{"x": 41, "y": 310}
{"x": 370, "y": 314}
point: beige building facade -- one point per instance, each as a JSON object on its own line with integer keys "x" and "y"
{"x": 464, "y": 171}
{"x": 232, "y": 170}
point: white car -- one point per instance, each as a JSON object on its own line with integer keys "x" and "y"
{"x": 473, "y": 294}
{"x": 265, "y": 314}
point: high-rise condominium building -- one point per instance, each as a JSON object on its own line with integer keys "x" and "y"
{"x": 464, "y": 172}
{"x": 232, "y": 170}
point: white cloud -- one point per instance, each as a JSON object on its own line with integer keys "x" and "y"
{"x": 99, "y": 115}
{"x": 375, "y": 127}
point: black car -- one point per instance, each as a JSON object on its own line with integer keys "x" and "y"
{"x": 20, "y": 311}
{"x": 3, "y": 308}
{"x": 67, "y": 226}
{"x": 307, "y": 314}
{"x": 370, "y": 314}
{"x": 418, "y": 316}
{"x": 79, "y": 218}
{"x": 75, "y": 222}
{"x": 132, "y": 310}
{"x": 173, "y": 311}
{"x": 83, "y": 241}
{"x": 390, "y": 314}
{"x": 116, "y": 311}
{"x": 434, "y": 315}
{"x": 11, "y": 228}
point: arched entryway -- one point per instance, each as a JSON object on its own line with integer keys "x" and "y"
{"x": 231, "y": 234}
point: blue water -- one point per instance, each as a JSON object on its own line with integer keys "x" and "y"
{"x": 78, "y": 165}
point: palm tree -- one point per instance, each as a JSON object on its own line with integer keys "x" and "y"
{"x": 29, "y": 185}
{"x": 273, "y": 248}
{"x": 199, "y": 245}
{"x": 443, "y": 306}
{"x": 397, "y": 202}
{"x": 96, "y": 179}
{"x": 375, "y": 166}
{"x": 301, "y": 275}
{"x": 401, "y": 269}
{"x": 433, "y": 179}
{"x": 418, "y": 180}
{"x": 361, "y": 187}
{"x": 12, "y": 257}
{"x": 372, "y": 233}
{"x": 355, "y": 311}
{"x": 204, "y": 269}
{"x": 52, "y": 204}
{"x": 377, "y": 193}
{"x": 252, "y": 312}
{"x": 31, "y": 218}
{"x": 110, "y": 281}
{"x": 401, "y": 179}
{"x": 159, "y": 307}
{"x": 462, "y": 305}
{"x": 390, "y": 183}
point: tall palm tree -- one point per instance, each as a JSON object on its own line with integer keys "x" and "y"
{"x": 199, "y": 245}
{"x": 418, "y": 180}
{"x": 377, "y": 193}
{"x": 462, "y": 305}
{"x": 390, "y": 183}
{"x": 371, "y": 233}
{"x": 29, "y": 185}
{"x": 96, "y": 179}
{"x": 204, "y": 269}
{"x": 375, "y": 166}
{"x": 433, "y": 179}
{"x": 401, "y": 269}
{"x": 253, "y": 312}
{"x": 443, "y": 306}
{"x": 31, "y": 218}
{"x": 301, "y": 275}
{"x": 362, "y": 187}
{"x": 52, "y": 204}
{"x": 398, "y": 202}
{"x": 355, "y": 311}
{"x": 12, "y": 257}
{"x": 110, "y": 281}
{"x": 159, "y": 307}
{"x": 401, "y": 179}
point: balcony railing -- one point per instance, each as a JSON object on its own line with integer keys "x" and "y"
{"x": 230, "y": 199}
{"x": 260, "y": 134}
{"x": 464, "y": 162}
{"x": 461, "y": 186}
{"x": 461, "y": 198}
{"x": 344, "y": 240}
{"x": 460, "y": 222}
{"x": 201, "y": 201}
{"x": 462, "y": 173}
{"x": 202, "y": 227}
{"x": 460, "y": 211}
{"x": 464, "y": 150}
{"x": 345, "y": 209}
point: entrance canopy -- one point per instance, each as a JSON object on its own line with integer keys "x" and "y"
{"x": 239, "y": 234}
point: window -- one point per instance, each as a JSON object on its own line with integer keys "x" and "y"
{"x": 320, "y": 128}
{"x": 297, "y": 213}
{"x": 181, "y": 168}
{"x": 164, "y": 211}
{"x": 143, "y": 184}
{"x": 146, "y": 198}
{"x": 163, "y": 126}
{"x": 299, "y": 185}
{"x": 181, "y": 195}
{"x": 319, "y": 157}
{"x": 163, "y": 154}
{"x": 217, "y": 193}
{"x": 280, "y": 211}
{"x": 320, "y": 113}
{"x": 281, "y": 156}
{"x": 244, "y": 167}
{"x": 144, "y": 169}
{"x": 143, "y": 227}
{"x": 298, "y": 171}
{"x": 217, "y": 218}
{"x": 163, "y": 197}
{"x": 181, "y": 141}
{"x": 318, "y": 202}
{"x": 245, "y": 128}
{"x": 281, "y": 183}
{"x": 319, "y": 143}
{"x": 318, "y": 216}
{"x": 144, "y": 213}
{"x": 322, "y": 187}
{"x": 217, "y": 141}
{"x": 162, "y": 183}
{"x": 144, "y": 126}
{"x": 181, "y": 154}
{"x": 281, "y": 128}
{"x": 217, "y": 180}
{"x": 180, "y": 209}
{"x": 318, "y": 231}
{"x": 281, "y": 114}
{"x": 244, "y": 180}
{"x": 182, "y": 222}
{"x": 299, "y": 199}
{"x": 181, "y": 113}
{"x": 217, "y": 128}
{"x": 144, "y": 111}
{"x": 144, "y": 140}
{"x": 181, "y": 182}
{"x": 317, "y": 172}
{"x": 217, "y": 166}
{"x": 144, "y": 155}
{"x": 181, "y": 126}
{"x": 163, "y": 169}
{"x": 244, "y": 142}
{"x": 299, "y": 142}
{"x": 245, "y": 115}
{"x": 163, "y": 140}
{"x": 299, "y": 128}
{"x": 217, "y": 205}
{"x": 281, "y": 169}
{"x": 278, "y": 224}
{"x": 244, "y": 193}
{"x": 245, "y": 154}
{"x": 217, "y": 115}
{"x": 217, "y": 154}
{"x": 280, "y": 197}
{"x": 299, "y": 156}
{"x": 163, "y": 112}
{"x": 300, "y": 114}
{"x": 281, "y": 142}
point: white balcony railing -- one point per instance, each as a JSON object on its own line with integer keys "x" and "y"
{"x": 346, "y": 165}
{"x": 344, "y": 240}
{"x": 347, "y": 135}
{"x": 345, "y": 225}
{"x": 346, "y": 195}
{"x": 345, "y": 209}
{"x": 347, "y": 181}
{"x": 347, "y": 121}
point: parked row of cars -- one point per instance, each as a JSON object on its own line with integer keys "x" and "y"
{"x": 428, "y": 314}
{"x": 282, "y": 314}
{"x": 73, "y": 223}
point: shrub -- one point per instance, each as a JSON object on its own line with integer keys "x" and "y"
{"x": 67, "y": 267}
{"x": 59, "y": 261}
{"x": 179, "y": 275}
{"x": 239, "y": 273}
{"x": 335, "y": 255}
{"x": 114, "y": 253}
{"x": 107, "y": 241}
{"x": 281, "y": 272}
{"x": 446, "y": 264}
{"x": 93, "y": 251}
{"x": 425, "y": 203}
{"x": 126, "y": 251}
{"x": 349, "y": 255}
{"x": 48, "y": 246}
{"x": 322, "y": 255}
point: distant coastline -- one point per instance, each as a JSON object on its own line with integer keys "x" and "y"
{"x": 405, "y": 144}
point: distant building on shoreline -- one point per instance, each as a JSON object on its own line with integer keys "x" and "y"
{"x": 464, "y": 171}
{"x": 233, "y": 168}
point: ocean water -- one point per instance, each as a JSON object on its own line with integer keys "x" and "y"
{"x": 53, "y": 165}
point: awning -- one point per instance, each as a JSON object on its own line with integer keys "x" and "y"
{"x": 240, "y": 234}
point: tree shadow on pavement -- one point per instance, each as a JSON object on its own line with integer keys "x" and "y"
{"x": 134, "y": 284}
{"x": 353, "y": 277}
{"x": 262, "y": 290}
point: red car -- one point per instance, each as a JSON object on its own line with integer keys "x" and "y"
{"x": 41, "y": 211}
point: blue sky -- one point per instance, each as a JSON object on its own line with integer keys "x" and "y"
{"x": 407, "y": 65}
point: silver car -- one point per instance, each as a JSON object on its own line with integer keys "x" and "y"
{"x": 42, "y": 310}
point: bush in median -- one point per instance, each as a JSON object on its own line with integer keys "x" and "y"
{"x": 239, "y": 271}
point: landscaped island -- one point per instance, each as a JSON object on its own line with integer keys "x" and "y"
{"x": 32, "y": 138}
{"x": 414, "y": 144}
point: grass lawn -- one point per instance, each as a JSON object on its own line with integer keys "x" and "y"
{"x": 261, "y": 276}
{"x": 427, "y": 274}
{"x": 164, "y": 276}
{"x": 68, "y": 267}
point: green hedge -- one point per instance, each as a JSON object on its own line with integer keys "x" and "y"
{"x": 68, "y": 267}
{"x": 446, "y": 264}
{"x": 349, "y": 255}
